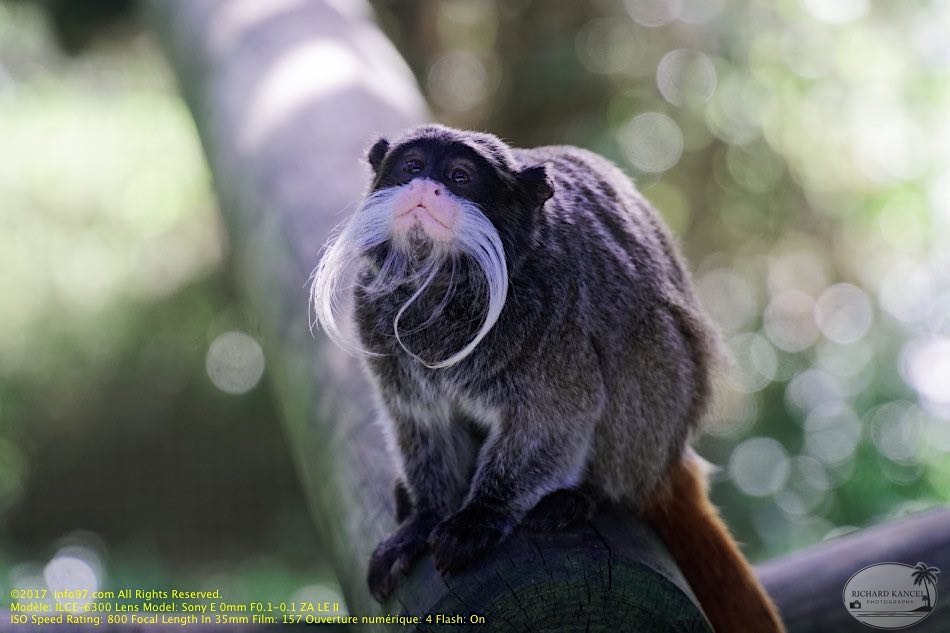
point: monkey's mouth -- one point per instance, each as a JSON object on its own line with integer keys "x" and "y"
{"x": 436, "y": 227}
{"x": 422, "y": 209}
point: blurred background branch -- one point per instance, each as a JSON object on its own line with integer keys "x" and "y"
{"x": 808, "y": 585}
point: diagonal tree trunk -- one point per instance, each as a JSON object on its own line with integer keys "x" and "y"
{"x": 286, "y": 96}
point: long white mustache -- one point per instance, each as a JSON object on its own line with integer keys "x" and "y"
{"x": 371, "y": 226}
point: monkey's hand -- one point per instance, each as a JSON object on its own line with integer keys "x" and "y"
{"x": 394, "y": 556}
{"x": 467, "y": 535}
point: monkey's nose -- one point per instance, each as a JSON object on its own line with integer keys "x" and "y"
{"x": 426, "y": 187}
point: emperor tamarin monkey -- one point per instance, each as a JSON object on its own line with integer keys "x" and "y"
{"x": 537, "y": 346}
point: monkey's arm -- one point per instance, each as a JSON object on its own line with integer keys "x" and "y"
{"x": 434, "y": 466}
{"x": 539, "y": 446}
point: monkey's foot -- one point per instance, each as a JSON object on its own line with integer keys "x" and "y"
{"x": 559, "y": 510}
{"x": 394, "y": 556}
{"x": 467, "y": 535}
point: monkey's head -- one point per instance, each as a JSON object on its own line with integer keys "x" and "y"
{"x": 442, "y": 202}
{"x": 438, "y": 174}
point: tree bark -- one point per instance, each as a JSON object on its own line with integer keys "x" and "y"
{"x": 287, "y": 97}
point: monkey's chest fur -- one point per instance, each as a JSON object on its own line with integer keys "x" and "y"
{"x": 469, "y": 395}
{"x": 601, "y": 334}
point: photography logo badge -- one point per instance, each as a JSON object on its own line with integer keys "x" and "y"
{"x": 891, "y": 595}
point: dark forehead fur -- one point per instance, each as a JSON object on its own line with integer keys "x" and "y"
{"x": 488, "y": 146}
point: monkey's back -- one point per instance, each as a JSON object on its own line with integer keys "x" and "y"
{"x": 598, "y": 209}
{"x": 636, "y": 304}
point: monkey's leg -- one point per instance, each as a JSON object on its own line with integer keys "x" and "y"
{"x": 560, "y": 509}
{"x": 434, "y": 461}
{"x": 516, "y": 468}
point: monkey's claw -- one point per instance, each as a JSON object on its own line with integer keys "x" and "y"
{"x": 559, "y": 510}
{"x": 466, "y": 536}
{"x": 394, "y": 556}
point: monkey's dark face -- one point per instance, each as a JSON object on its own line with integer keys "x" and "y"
{"x": 441, "y": 174}
{"x": 444, "y": 204}
{"x": 432, "y": 182}
{"x": 458, "y": 168}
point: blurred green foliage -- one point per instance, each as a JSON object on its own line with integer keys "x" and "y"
{"x": 132, "y": 443}
{"x": 800, "y": 149}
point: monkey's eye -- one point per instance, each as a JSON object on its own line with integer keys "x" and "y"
{"x": 459, "y": 176}
{"x": 412, "y": 166}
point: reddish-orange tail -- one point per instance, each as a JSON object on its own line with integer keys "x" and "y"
{"x": 708, "y": 556}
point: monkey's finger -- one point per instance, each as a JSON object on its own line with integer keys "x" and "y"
{"x": 403, "y": 565}
{"x": 379, "y": 576}
{"x": 382, "y": 586}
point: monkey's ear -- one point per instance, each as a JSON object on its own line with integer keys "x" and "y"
{"x": 377, "y": 153}
{"x": 534, "y": 181}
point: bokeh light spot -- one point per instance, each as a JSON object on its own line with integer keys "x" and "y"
{"x": 68, "y": 573}
{"x": 939, "y": 197}
{"x": 845, "y": 361}
{"x": 813, "y": 388}
{"x": 897, "y": 431}
{"x": 235, "y": 362}
{"x": 925, "y": 366}
{"x": 789, "y": 323}
{"x": 906, "y": 292}
{"x": 836, "y": 11}
{"x": 735, "y": 112}
{"x": 937, "y": 432}
{"x": 686, "y": 77}
{"x": 729, "y": 298}
{"x": 610, "y": 46}
{"x": 653, "y": 12}
{"x": 759, "y": 466}
{"x": 843, "y": 313}
{"x": 798, "y": 265}
{"x": 806, "y": 488}
{"x": 698, "y": 11}
{"x": 832, "y": 433}
{"x": 756, "y": 362}
{"x": 652, "y": 142}
{"x": 459, "y": 81}
{"x": 734, "y": 412}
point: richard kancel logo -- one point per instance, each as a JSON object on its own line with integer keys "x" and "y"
{"x": 891, "y": 595}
